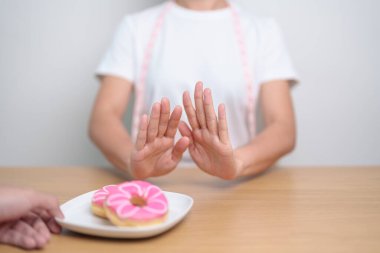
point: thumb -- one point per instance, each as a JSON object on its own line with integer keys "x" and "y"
{"x": 179, "y": 148}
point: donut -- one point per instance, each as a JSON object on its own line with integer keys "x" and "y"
{"x": 98, "y": 199}
{"x": 136, "y": 203}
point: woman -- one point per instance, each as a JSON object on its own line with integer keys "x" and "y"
{"x": 162, "y": 52}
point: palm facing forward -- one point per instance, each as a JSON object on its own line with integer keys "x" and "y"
{"x": 155, "y": 153}
{"x": 210, "y": 145}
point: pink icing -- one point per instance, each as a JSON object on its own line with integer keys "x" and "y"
{"x": 156, "y": 204}
{"x": 101, "y": 195}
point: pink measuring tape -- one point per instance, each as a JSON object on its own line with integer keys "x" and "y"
{"x": 140, "y": 88}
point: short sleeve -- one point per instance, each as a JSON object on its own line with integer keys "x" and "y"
{"x": 274, "y": 60}
{"x": 120, "y": 57}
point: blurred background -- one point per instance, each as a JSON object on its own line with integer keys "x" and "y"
{"x": 49, "y": 51}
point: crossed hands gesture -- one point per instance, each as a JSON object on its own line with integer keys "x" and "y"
{"x": 156, "y": 153}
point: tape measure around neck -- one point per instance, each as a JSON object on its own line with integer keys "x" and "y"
{"x": 247, "y": 70}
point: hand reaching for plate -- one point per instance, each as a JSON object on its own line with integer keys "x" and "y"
{"x": 27, "y": 217}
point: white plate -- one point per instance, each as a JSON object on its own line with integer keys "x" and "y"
{"x": 79, "y": 218}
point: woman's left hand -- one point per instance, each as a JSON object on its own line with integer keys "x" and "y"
{"x": 210, "y": 145}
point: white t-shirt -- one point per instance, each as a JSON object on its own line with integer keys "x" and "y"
{"x": 199, "y": 46}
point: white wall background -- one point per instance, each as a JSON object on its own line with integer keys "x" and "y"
{"x": 49, "y": 50}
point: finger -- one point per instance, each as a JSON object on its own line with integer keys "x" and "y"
{"x": 23, "y": 227}
{"x": 49, "y": 220}
{"x": 16, "y": 238}
{"x": 199, "y": 110}
{"x": 190, "y": 111}
{"x": 42, "y": 234}
{"x": 179, "y": 148}
{"x": 27, "y": 230}
{"x": 173, "y": 122}
{"x": 53, "y": 226}
{"x": 143, "y": 130}
{"x": 222, "y": 125}
{"x": 153, "y": 122}
{"x": 47, "y": 202}
{"x": 184, "y": 129}
{"x": 210, "y": 112}
{"x": 38, "y": 223}
{"x": 164, "y": 117}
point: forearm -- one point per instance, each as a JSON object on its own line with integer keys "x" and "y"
{"x": 271, "y": 144}
{"x": 110, "y": 136}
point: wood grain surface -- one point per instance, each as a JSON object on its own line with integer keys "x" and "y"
{"x": 309, "y": 209}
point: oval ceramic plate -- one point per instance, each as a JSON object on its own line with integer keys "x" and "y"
{"x": 79, "y": 218}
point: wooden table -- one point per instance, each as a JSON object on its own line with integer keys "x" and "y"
{"x": 283, "y": 210}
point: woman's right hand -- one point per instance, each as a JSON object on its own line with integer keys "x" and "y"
{"x": 155, "y": 153}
